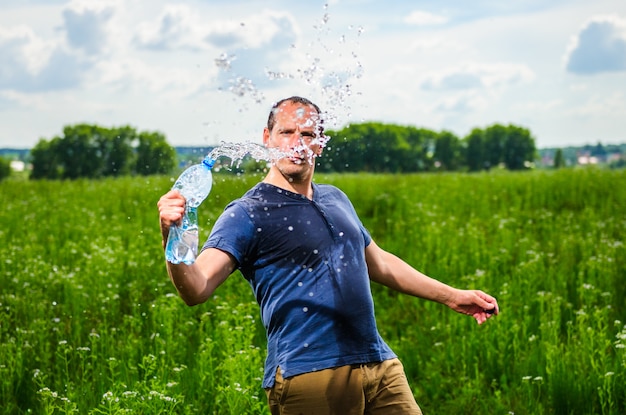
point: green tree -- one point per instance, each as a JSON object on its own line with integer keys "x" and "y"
{"x": 46, "y": 159}
{"x": 519, "y": 148}
{"x": 475, "y": 150}
{"x": 559, "y": 160}
{"x": 346, "y": 150}
{"x": 495, "y": 137}
{"x": 387, "y": 148}
{"x": 5, "y": 168}
{"x": 154, "y": 155}
{"x": 421, "y": 142}
{"x": 79, "y": 151}
{"x": 448, "y": 151}
{"x": 116, "y": 150}
{"x": 92, "y": 151}
{"x": 377, "y": 147}
{"x": 599, "y": 151}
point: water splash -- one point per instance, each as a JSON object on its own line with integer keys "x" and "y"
{"x": 237, "y": 152}
{"x": 241, "y": 87}
{"x": 330, "y": 71}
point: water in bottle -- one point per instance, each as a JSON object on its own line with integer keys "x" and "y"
{"x": 194, "y": 184}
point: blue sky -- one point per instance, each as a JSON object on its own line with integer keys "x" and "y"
{"x": 203, "y": 72}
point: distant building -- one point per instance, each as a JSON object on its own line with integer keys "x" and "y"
{"x": 587, "y": 159}
{"x": 614, "y": 158}
{"x": 18, "y": 165}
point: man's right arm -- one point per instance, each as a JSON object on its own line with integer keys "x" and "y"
{"x": 195, "y": 283}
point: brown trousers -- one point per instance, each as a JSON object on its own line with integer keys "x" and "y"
{"x": 373, "y": 389}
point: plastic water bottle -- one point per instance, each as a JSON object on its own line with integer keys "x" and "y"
{"x": 195, "y": 185}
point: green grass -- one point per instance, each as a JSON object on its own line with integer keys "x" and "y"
{"x": 90, "y": 324}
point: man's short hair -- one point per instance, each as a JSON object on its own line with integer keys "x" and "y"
{"x": 271, "y": 119}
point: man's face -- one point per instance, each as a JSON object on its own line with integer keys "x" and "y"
{"x": 297, "y": 133}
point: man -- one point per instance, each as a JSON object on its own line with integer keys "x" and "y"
{"x": 309, "y": 261}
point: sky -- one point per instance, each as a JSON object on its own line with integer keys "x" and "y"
{"x": 203, "y": 72}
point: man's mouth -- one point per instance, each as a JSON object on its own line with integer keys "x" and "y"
{"x": 296, "y": 159}
{"x": 301, "y": 156}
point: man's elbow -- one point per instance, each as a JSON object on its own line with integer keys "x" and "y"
{"x": 192, "y": 300}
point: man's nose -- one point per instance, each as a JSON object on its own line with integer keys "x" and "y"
{"x": 296, "y": 138}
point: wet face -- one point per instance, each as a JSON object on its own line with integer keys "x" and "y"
{"x": 296, "y": 132}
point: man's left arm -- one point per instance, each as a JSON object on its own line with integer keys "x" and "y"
{"x": 391, "y": 271}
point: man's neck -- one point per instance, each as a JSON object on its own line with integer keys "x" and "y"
{"x": 303, "y": 187}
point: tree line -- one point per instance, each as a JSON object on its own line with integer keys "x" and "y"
{"x": 376, "y": 147}
{"x": 92, "y": 151}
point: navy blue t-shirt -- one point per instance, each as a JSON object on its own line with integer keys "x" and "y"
{"x": 305, "y": 261}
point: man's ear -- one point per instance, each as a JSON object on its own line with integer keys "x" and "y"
{"x": 266, "y": 137}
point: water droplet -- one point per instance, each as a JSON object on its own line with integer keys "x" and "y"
{"x": 315, "y": 251}
{"x": 306, "y": 344}
{"x": 290, "y": 228}
{"x": 300, "y": 284}
{"x": 224, "y": 61}
{"x": 340, "y": 233}
{"x": 311, "y": 294}
{"x": 259, "y": 229}
{"x": 305, "y": 309}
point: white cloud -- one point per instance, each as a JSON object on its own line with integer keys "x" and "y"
{"x": 266, "y": 29}
{"x": 178, "y": 27}
{"x": 422, "y": 18}
{"x": 29, "y": 63}
{"x": 475, "y": 76}
{"x": 600, "y": 46}
{"x": 432, "y": 44}
{"x": 245, "y": 49}
{"x": 32, "y": 62}
{"x": 257, "y": 43}
{"x": 604, "y": 105}
{"x": 21, "y": 50}
{"x": 453, "y": 80}
{"x": 86, "y": 25}
{"x": 462, "y": 103}
{"x": 135, "y": 75}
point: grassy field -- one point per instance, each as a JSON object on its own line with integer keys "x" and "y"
{"x": 90, "y": 324}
